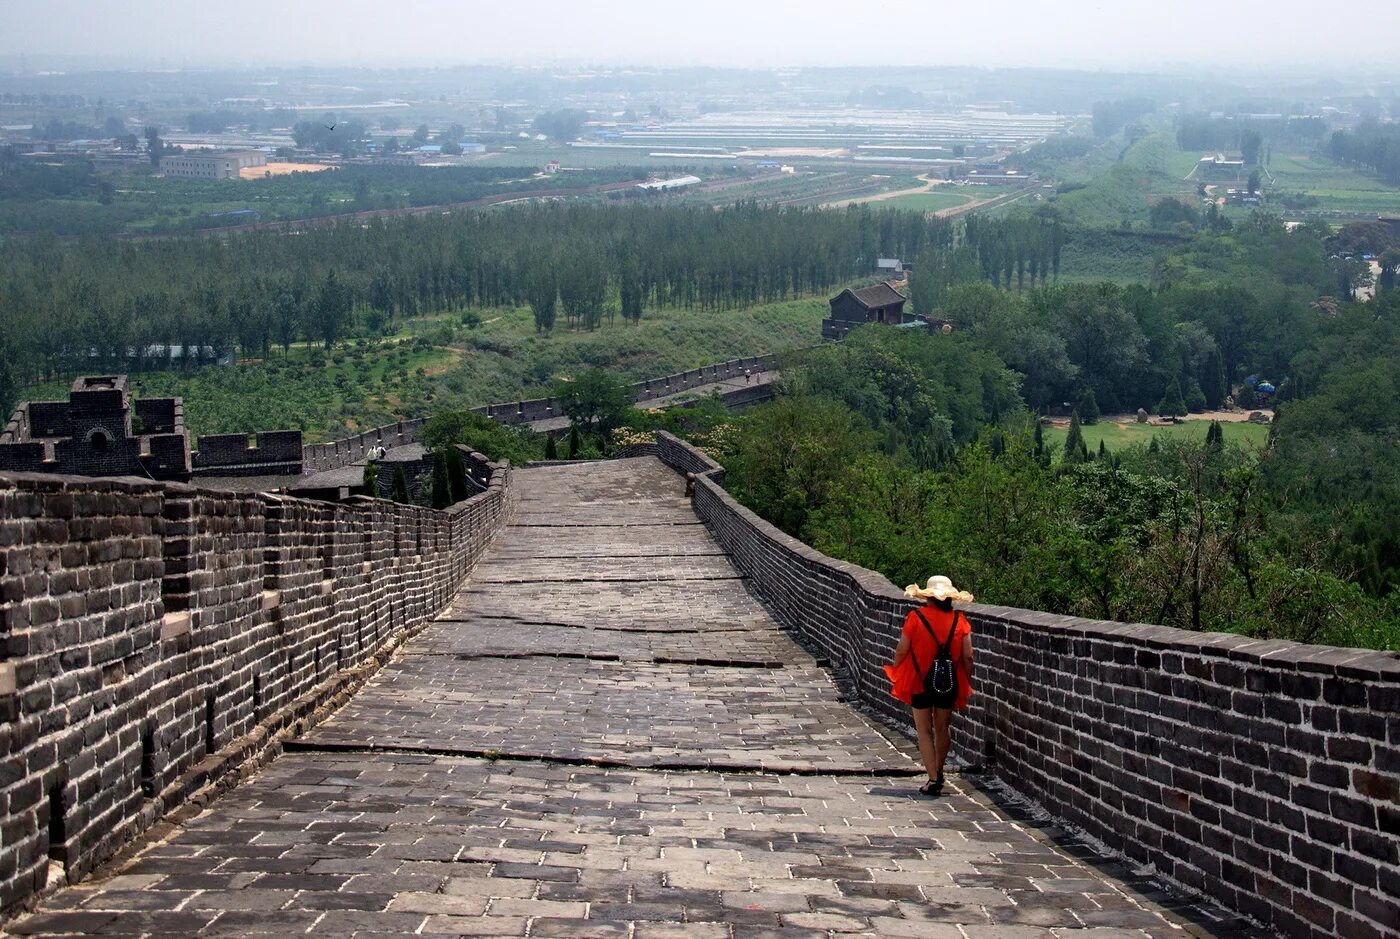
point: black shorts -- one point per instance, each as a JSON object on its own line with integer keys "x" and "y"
{"x": 933, "y": 699}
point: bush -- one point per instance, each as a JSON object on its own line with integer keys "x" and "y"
{"x": 1172, "y": 404}
{"x": 446, "y": 428}
{"x": 1195, "y": 399}
{"x": 1088, "y": 408}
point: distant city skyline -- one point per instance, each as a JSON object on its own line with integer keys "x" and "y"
{"x": 1271, "y": 35}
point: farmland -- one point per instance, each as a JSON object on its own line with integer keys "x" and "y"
{"x": 439, "y": 360}
{"x": 1338, "y": 189}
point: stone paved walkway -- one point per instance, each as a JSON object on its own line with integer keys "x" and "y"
{"x": 605, "y": 736}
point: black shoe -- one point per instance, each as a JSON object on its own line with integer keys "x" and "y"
{"x": 933, "y": 788}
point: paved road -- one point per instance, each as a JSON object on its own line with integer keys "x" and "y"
{"x": 680, "y": 397}
{"x": 605, "y": 735}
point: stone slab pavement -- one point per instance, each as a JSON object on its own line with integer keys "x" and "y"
{"x": 607, "y": 735}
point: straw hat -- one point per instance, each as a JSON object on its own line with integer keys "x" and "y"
{"x": 939, "y": 588}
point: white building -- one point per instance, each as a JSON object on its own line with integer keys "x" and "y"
{"x": 225, "y": 165}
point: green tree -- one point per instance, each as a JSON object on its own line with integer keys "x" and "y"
{"x": 1040, "y": 451}
{"x": 331, "y": 309}
{"x": 448, "y": 427}
{"x": 155, "y": 147}
{"x": 1212, "y": 379}
{"x": 563, "y": 124}
{"x": 1215, "y": 437}
{"x": 792, "y": 456}
{"x": 441, "y": 492}
{"x": 551, "y": 452}
{"x": 1076, "y": 451}
{"x": 597, "y": 401}
{"x": 456, "y": 474}
{"x": 1195, "y": 399}
{"x": 583, "y": 285}
{"x": 398, "y": 490}
{"x": 1251, "y": 142}
{"x": 1172, "y": 403}
{"x": 575, "y": 443}
{"x": 1088, "y": 408}
{"x": 1254, "y": 181}
{"x": 629, "y": 286}
{"x": 542, "y": 293}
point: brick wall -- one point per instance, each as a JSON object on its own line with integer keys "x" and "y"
{"x": 153, "y": 635}
{"x": 337, "y": 453}
{"x": 539, "y": 409}
{"x": 277, "y": 452}
{"x": 1263, "y": 774}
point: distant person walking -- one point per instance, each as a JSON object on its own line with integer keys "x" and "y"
{"x": 748, "y": 375}
{"x": 932, "y": 670}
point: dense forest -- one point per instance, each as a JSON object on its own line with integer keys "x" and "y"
{"x": 912, "y": 454}
{"x": 106, "y": 304}
{"x": 1372, "y": 146}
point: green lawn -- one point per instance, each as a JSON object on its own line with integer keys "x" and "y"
{"x": 1120, "y": 436}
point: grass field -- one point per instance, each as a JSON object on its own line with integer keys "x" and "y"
{"x": 1120, "y": 436}
{"x": 1339, "y": 188}
{"x": 925, "y": 201}
{"x": 1126, "y": 192}
{"x": 437, "y": 361}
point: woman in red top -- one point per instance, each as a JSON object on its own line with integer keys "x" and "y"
{"x": 933, "y": 631}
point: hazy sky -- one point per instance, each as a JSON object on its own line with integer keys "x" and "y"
{"x": 1073, "y": 33}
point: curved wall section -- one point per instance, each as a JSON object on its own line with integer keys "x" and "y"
{"x": 1264, "y": 774}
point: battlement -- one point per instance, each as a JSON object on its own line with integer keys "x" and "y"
{"x": 155, "y": 636}
{"x": 276, "y": 453}
{"x": 101, "y": 431}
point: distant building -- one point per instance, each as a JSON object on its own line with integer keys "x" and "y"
{"x": 1218, "y": 166}
{"x": 666, "y": 185}
{"x": 226, "y": 165}
{"x": 881, "y": 303}
{"x": 551, "y": 167}
{"x": 893, "y": 265}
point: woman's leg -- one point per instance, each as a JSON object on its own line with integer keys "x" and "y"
{"x": 923, "y": 723}
{"x": 942, "y": 740}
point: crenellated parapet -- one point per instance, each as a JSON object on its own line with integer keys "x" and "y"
{"x": 1260, "y": 773}
{"x": 155, "y": 636}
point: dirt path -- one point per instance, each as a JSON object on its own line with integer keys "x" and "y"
{"x": 929, "y": 184}
{"x": 1003, "y": 199}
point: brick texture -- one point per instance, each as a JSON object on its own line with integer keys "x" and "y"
{"x": 1259, "y": 773}
{"x": 148, "y": 630}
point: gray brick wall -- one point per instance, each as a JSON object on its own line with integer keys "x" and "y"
{"x": 152, "y": 634}
{"x": 337, "y": 453}
{"x": 1264, "y": 774}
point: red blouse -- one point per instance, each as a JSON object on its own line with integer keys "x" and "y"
{"x": 907, "y": 679}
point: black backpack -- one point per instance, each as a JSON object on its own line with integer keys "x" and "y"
{"x": 938, "y": 680}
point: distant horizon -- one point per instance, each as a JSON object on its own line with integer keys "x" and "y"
{"x": 1241, "y": 37}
